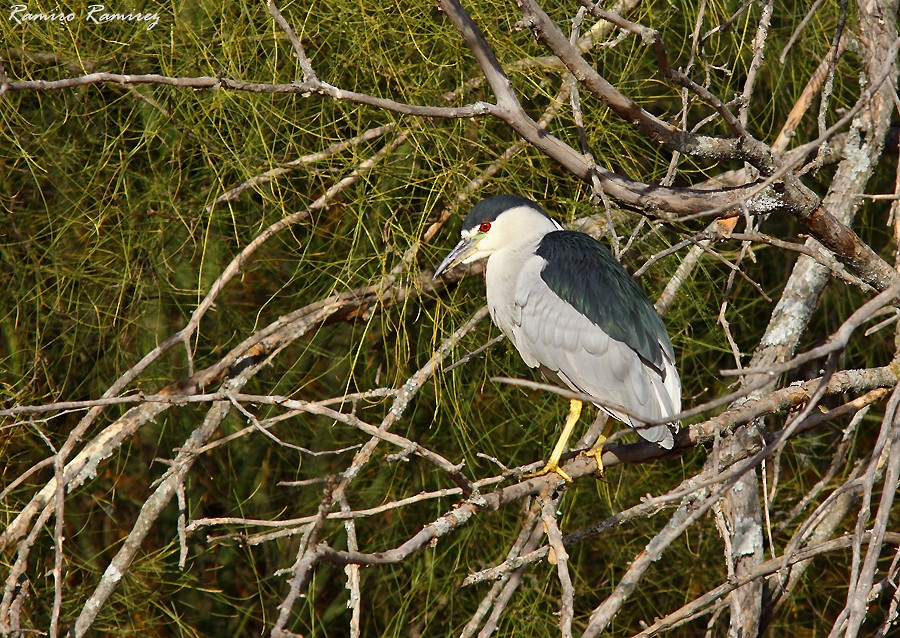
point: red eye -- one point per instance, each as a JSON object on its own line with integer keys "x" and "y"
{"x": 484, "y": 226}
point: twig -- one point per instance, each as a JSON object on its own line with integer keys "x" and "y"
{"x": 580, "y": 467}
{"x": 16, "y": 590}
{"x": 264, "y": 178}
{"x": 796, "y": 34}
{"x": 303, "y": 565}
{"x": 292, "y": 326}
{"x": 154, "y": 505}
{"x": 728, "y": 24}
{"x": 184, "y": 399}
{"x": 696, "y": 606}
{"x": 9, "y": 489}
{"x": 352, "y": 571}
{"x": 838, "y": 458}
{"x": 58, "y": 531}
{"x": 315, "y": 87}
{"x": 759, "y": 47}
{"x": 560, "y": 557}
{"x": 838, "y": 340}
{"x": 827, "y": 87}
{"x": 509, "y": 587}
{"x": 309, "y": 75}
{"x": 306, "y": 562}
{"x": 513, "y": 563}
{"x": 529, "y": 537}
{"x": 692, "y": 508}
{"x": 619, "y": 104}
{"x": 746, "y": 411}
{"x": 813, "y": 86}
{"x": 341, "y": 514}
{"x": 862, "y": 581}
{"x": 477, "y": 351}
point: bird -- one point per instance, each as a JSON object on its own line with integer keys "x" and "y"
{"x": 576, "y": 315}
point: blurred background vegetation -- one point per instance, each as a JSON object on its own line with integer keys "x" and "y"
{"x": 111, "y": 235}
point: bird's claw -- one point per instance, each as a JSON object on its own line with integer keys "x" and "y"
{"x": 549, "y": 468}
{"x": 596, "y": 453}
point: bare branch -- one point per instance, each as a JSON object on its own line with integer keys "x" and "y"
{"x": 309, "y": 75}
{"x": 306, "y": 88}
{"x": 560, "y": 557}
{"x": 703, "y": 603}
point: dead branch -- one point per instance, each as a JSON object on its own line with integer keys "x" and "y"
{"x": 856, "y": 486}
{"x": 703, "y": 603}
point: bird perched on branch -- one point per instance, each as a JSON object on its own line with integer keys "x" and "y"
{"x": 573, "y": 312}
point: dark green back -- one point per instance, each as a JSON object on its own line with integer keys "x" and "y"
{"x": 584, "y": 273}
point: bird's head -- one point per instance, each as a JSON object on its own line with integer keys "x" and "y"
{"x": 496, "y": 223}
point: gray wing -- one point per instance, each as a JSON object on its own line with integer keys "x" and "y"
{"x": 551, "y": 334}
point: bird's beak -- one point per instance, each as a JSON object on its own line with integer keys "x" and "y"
{"x": 463, "y": 249}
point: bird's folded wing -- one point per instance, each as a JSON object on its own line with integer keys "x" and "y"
{"x": 552, "y": 334}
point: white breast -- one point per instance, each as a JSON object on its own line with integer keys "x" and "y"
{"x": 503, "y": 273}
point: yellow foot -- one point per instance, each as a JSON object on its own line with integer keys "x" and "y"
{"x": 596, "y": 452}
{"x": 560, "y": 447}
{"x": 547, "y": 469}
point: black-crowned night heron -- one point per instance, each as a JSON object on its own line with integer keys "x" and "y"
{"x": 573, "y": 312}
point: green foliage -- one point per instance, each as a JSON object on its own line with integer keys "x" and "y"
{"x": 111, "y": 237}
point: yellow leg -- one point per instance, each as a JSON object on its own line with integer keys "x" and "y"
{"x": 597, "y": 451}
{"x": 560, "y": 447}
